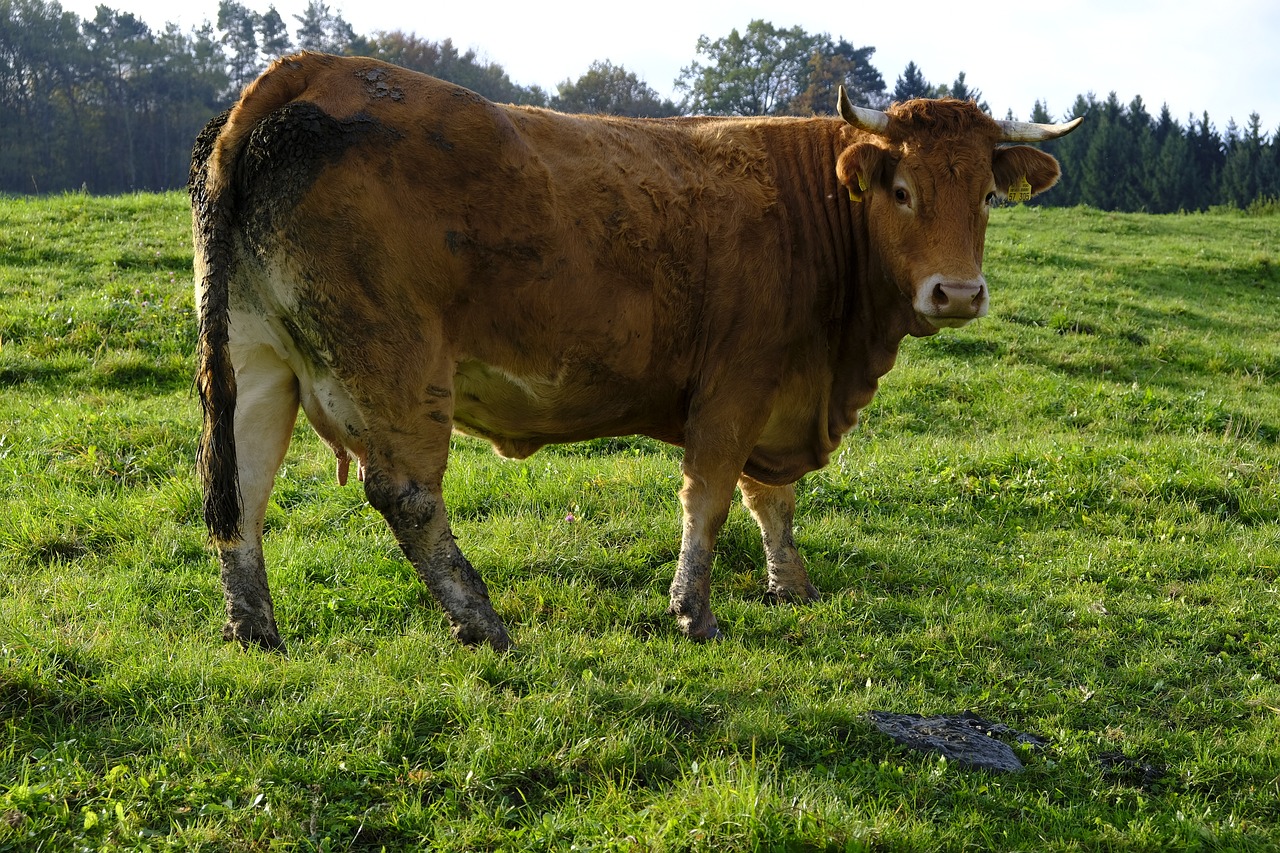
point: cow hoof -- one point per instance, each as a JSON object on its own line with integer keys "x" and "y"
{"x": 699, "y": 630}
{"x": 475, "y": 636}
{"x": 712, "y": 636}
{"x": 781, "y": 595}
{"x": 248, "y": 637}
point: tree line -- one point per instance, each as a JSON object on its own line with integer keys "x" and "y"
{"x": 110, "y": 105}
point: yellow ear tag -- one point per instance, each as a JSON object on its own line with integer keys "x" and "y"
{"x": 862, "y": 185}
{"x": 1020, "y": 190}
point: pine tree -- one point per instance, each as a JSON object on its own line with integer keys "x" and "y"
{"x": 1105, "y": 162}
{"x": 1172, "y": 180}
{"x": 865, "y": 82}
{"x": 1070, "y": 151}
{"x": 1269, "y": 184}
{"x": 911, "y": 85}
{"x": 961, "y": 90}
{"x": 1242, "y": 168}
{"x": 240, "y": 37}
{"x": 1208, "y": 156}
{"x": 1134, "y": 191}
{"x": 123, "y": 52}
{"x": 274, "y": 42}
{"x": 1165, "y": 125}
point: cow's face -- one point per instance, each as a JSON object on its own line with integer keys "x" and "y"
{"x": 928, "y": 183}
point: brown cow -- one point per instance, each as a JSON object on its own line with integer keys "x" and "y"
{"x": 401, "y": 257}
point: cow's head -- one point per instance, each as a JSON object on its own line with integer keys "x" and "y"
{"x": 928, "y": 179}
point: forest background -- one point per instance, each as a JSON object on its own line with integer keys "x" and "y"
{"x": 110, "y": 105}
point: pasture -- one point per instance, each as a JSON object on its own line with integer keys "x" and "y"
{"x": 1065, "y": 518}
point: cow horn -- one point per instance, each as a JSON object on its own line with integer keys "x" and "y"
{"x": 862, "y": 118}
{"x": 1025, "y": 131}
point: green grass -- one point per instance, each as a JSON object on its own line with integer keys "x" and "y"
{"x": 1065, "y": 517}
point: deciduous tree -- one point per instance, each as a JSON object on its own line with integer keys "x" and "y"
{"x": 42, "y": 132}
{"x": 123, "y": 52}
{"x": 110, "y": 105}
{"x": 323, "y": 30}
{"x": 442, "y": 59}
{"x": 613, "y": 90}
{"x": 757, "y": 72}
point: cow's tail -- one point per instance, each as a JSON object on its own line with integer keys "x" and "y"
{"x": 212, "y": 187}
{"x": 211, "y": 226}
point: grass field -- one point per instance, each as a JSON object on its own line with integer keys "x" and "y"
{"x": 1065, "y": 518}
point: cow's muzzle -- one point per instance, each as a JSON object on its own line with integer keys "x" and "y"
{"x": 947, "y": 301}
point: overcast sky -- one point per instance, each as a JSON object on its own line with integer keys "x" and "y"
{"x": 1196, "y": 56}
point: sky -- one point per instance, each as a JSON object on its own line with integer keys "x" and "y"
{"x": 1222, "y": 57}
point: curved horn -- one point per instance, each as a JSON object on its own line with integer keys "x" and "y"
{"x": 1025, "y": 131}
{"x": 872, "y": 121}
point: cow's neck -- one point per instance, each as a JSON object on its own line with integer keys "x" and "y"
{"x": 871, "y": 318}
{"x": 832, "y": 263}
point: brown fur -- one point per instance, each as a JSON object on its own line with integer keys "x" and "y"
{"x": 419, "y": 258}
{"x": 939, "y": 120}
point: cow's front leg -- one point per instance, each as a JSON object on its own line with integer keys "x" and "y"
{"x": 774, "y": 509}
{"x": 266, "y": 409}
{"x": 414, "y": 508}
{"x": 706, "y": 506}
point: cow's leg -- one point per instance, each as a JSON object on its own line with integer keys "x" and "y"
{"x": 774, "y": 509}
{"x": 407, "y": 453}
{"x": 718, "y": 440}
{"x": 711, "y": 468}
{"x": 266, "y": 409}
{"x": 706, "y": 500}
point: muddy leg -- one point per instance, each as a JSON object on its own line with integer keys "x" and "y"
{"x": 266, "y": 409}
{"x": 774, "y": 509}
{"x": 706, "y": 506}
{"x": 408, "y": 449}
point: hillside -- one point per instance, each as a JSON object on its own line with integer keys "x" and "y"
{"x": 1065, "y": 518}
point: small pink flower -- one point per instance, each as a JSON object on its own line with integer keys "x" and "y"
{"x": 570, "y": 517}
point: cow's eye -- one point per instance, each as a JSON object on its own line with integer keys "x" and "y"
{"x": 901, "y": 196}
{"x": 992, "y": 199}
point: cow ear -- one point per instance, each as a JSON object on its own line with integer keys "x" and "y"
{"x": 859, "y": 167}
{"x": 1022, "y": 171}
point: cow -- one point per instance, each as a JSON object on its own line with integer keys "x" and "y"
{"x": 400, "y": 258}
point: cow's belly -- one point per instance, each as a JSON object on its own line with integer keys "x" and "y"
{"x": 519, "y": 414}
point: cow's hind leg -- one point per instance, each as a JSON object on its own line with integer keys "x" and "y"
{"x": 404, "y": 470}
{"x": 774, "y": 509}
{"x": 266, "y": 409}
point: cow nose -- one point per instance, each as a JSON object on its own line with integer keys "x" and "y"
{"x": 959, "y": 298}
